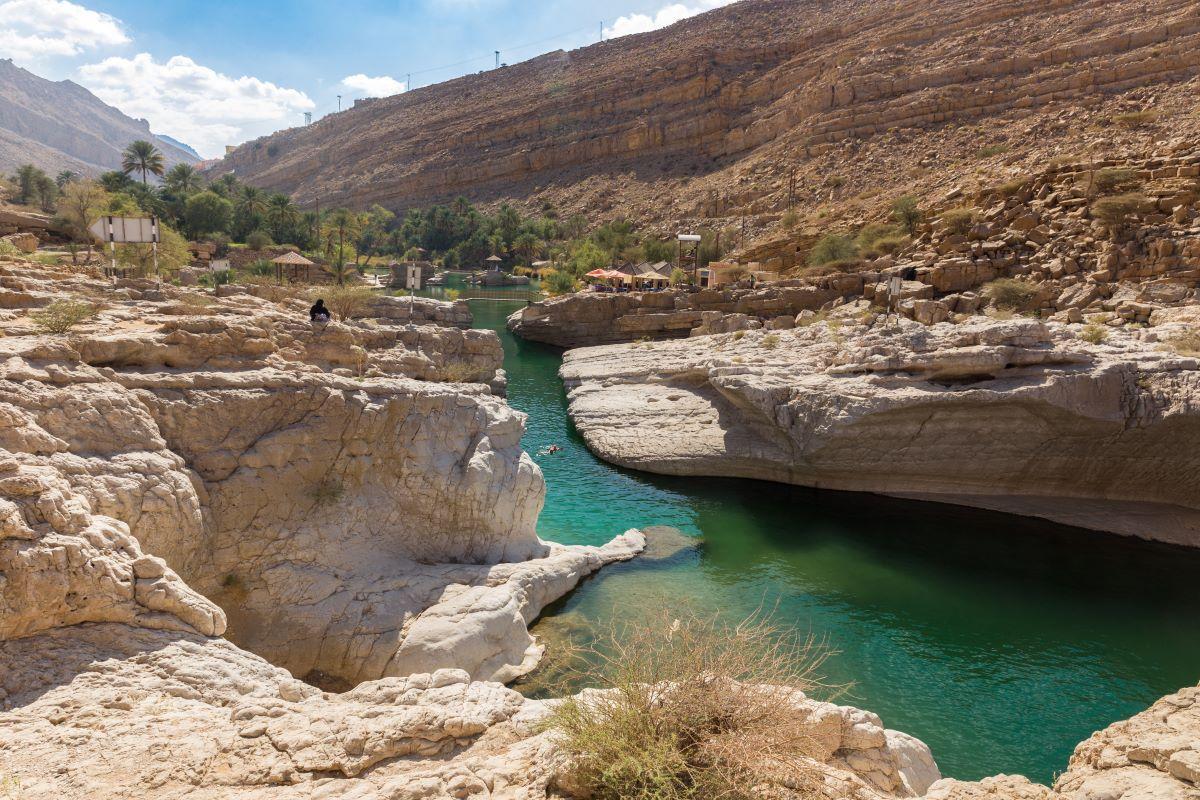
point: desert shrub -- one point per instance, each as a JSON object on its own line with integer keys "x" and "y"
{"x": 559, "y": 282}
{"x": 907, "y": 214}
{"x": 832, "y": 268}
{"x": 679, "y": 277}
{"x": 803, "y": 321}
{"x": 346, "y": 302}
{"x": 695, "y": 708}
{"x": 770, "y": 341}
{"x": 739, "y": 335}
{"x": 957, "y": 220}
{"x": 1114, "y": 179}
{"x": 789, "y": 219}
{"x": 1135, "y": 119}
{"x": 835, "y": 181}
{"x": 63, "y": 315}
{"x": 462, "y": 372}
{"x": 991, "y": 150}
{"x": 1011, "y": 188}
{"x": 873, "y": 240}
{"x": 1186, "y": 343}
{"x": 216, "y": 278}
{"x": 1010, "y": 294}
{"x": 452, "y": 294}
{"x": 259, "y": 240}
{"x": 832, "y": 247}
{"x": 1115, "y": 211}
{"x": 326, "y": 492}
{"x": 7, "y": 248}
{"x": 261, "y": 267}
{"x": 1093, "y": 333}
{"x": 891, "y": 244}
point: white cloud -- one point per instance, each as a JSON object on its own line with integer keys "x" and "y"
{"x": 667, "y": 15}
{"x": 35, "y": 29}
{"x": 194, "y": 103}
{"x": 383, "y": 86}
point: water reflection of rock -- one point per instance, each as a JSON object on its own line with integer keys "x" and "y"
{"x": 565, "y": 633}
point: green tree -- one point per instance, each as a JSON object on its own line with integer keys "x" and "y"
{"x": 27, "y": 179}
{"x": 282, "y": 214}
{"x": 115, "y": 181}
{"x": 65, "y": 177}
{"x": 207, "y": 212}
{"x": 342, "y": 224}
{"x": 226, "y": 186}
{"x": 47, "y": 192}
{"x": 143, "y": 157}
{"x": 79, "y": 205}
{"x": 526, "y": 246}
{"x": 907, "y": 214}
{"x": 585, "y": 258}
{"x": 183, "y": 181}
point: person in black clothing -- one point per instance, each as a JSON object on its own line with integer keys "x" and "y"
{"x": 319, "y": 313}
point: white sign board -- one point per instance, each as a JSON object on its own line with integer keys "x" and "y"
{"x": 126, "y": 230}
{"x": 412, "y": 277}
{"x": 689, "y": 237}
{"x": 219, "y": 265}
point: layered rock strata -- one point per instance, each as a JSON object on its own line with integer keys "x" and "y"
{"x": 1014, "y": 415}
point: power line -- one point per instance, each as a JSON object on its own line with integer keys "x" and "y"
{"x": 493, "y": 54}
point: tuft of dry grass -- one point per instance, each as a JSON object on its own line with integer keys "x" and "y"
{"x": 1093, "y": 333}
{"x": 1135, "y": 119}
{"x": 958, "y": 220}
{"x": 695, "y": 708}
{"x": 327, "y": 492}
{"x": 461, "y": 372}
{"x": 1010, "y": 294}
{"x": 1115, "y": 211}
{"x": 1186, "y": 343}
{"x": 63, "y": 315}
{"x": 770, "y": 341}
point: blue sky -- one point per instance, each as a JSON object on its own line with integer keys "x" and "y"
{"x": 218, "y": 72}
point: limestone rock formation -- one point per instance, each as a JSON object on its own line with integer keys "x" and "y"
{"x": 1015, "y": 415}
{"x": 324, "y": 485}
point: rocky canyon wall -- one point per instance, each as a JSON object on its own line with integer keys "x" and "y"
{"x": 636, "y": 118}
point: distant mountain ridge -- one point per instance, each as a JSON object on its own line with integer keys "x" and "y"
{"x": 59, "y": 125}
{"x": 181, "y": 145}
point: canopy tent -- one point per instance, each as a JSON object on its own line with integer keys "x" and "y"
{"x": 597, "y": 273}
{"x": 291, "y": 259}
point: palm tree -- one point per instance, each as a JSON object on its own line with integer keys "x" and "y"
{"x": 226, "y": 185}
{"x": 342, "y": 223}
{"x": 65, "y": 177}
{"x": 251, "y": 201}
{"x": 183, "y": 180}
{"x": 281, "y": 213}
{"x": 27, "y": 178}
{"x": 143, "y": 157}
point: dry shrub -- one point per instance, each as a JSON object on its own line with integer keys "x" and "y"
{"x": 770, "y": 341}
{"x": 63, "y": 315}
{"x": 1011, "y": 188}
{"x": 1116, "y": 179}
{"x": 832, "y": 248}
{"x": 1135, "y": 119}
{"x": 346, "y": 302}
{"x": 1114, "y": 211}
{"x": 1010, "y": 294}
{"x": 957, "y": 220}
{"x": 1093, "y": 333}
{"x": 988, "y": 151}
{"x": 327, "y": 492}
{"x": 1186, "y": 343}
{"x": 696, "y": 709}
{"x": 789, "y": 220}
{"x": 462, "y": 372}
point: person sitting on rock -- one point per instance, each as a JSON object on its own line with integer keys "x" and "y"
{"x": 319, "y": 313}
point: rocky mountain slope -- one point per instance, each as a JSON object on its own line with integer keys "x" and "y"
{"x": 61, "y": 125}
{"x": 830, "y": 107}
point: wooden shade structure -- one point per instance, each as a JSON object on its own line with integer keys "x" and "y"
{"x": 292, "y": 259}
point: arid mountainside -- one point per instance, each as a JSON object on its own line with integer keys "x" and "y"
{"x": 833, "y": 105}
{"x": 59, "y": 125}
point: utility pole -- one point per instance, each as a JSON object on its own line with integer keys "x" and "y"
{"x": 602, "y": 30}
{"x": 339, "y": 102}
{"x": 408, "y": 83}
{"x": 497, "y": 59}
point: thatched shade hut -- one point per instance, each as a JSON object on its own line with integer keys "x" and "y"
{"x": 292, "y": 259}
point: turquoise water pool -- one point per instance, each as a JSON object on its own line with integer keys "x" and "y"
{"x": 1000, "y": 641}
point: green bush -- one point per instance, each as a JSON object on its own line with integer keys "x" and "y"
{"x": 832, "y": 247}
{"x": 1093, "y": 333}
{"x": 259, "y": 240}
{"x": 63, "y": 315}
{"x": 558, "y": 282}
{"x": 907, "y": 214}
{"x": 327, "y": 492}
{"x": 789, "y": 220}
{"x": 1010, "y": 294}
{"x": 992, "y": 150}
{"x": 261, "y": 267}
